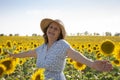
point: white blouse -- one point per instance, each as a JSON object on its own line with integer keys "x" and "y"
{"x": 53, "y": 59}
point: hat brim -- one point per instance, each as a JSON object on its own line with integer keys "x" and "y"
{"x": 44, "y": 23}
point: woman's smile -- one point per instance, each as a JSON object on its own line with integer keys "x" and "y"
{"x": 51, "y": 33}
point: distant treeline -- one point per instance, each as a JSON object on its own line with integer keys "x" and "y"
{"x": 77, "y": 34}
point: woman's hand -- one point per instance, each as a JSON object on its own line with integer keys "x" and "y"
{"x": 100, "y": 65}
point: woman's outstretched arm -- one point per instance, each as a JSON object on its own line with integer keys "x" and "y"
{"x": 99, "y": 65}
{"x": 31, "y": 53}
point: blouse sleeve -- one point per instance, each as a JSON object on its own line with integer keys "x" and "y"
{"x": 63, "y": 45}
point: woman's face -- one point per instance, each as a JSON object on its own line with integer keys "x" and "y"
{"x": 53, "y": 31}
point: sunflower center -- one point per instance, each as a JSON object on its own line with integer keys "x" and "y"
{"x": 8, "y": 44}
{"x": 116, "y": 62}
{"x": 107, "y": 47}
{"x": 0, "y": 50}
{"x": 79, "y": 64}
{"x": 37, "y": 77}
{"x": 1, "y": 70}
{"x": 7, "y": 64}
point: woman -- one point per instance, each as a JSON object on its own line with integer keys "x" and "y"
{"x": 51, "y": 55}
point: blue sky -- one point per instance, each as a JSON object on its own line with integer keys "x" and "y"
{"x": 24, "y": 16}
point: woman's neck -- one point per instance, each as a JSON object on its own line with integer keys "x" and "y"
{"x": 50, "y": 43}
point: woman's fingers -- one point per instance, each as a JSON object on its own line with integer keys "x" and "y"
{"x": 107, "y": 66}
{"x": 103, "y": 65}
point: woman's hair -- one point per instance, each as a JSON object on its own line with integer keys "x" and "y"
{"x": 46, "y": 37}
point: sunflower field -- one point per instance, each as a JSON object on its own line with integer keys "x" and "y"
{"x": 93, "y": 47}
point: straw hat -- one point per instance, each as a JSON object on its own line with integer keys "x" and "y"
{"x": 45, "y": 22}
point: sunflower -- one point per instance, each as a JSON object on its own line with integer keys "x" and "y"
{"x": 89, "y": 50}
{"x": 116, "y": 62}
{"x": 107, "y": 47}
{"x": 14, "y": 43}
{"x": 2, "y": 69}
{"x": 73, "y": 45}
{"x": 9, "y": 44}
{"x": 10, "y": 65}
{"x": 98, "y": 56}
{"x": 26, "y": 48}
{"x": 82, "y": 46}
{"x": 70, "y": 61}
{"x": 38, "y": 75}
{"x": 20, "y": 47}
{"x": 22, "y": 61}
{"x": 95, "y": 48}
{"x": 117, "y": 53}
{"x": 79, "y": 66}
{"x": 88, "y": 45}
{"x": 35, "y": 45}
